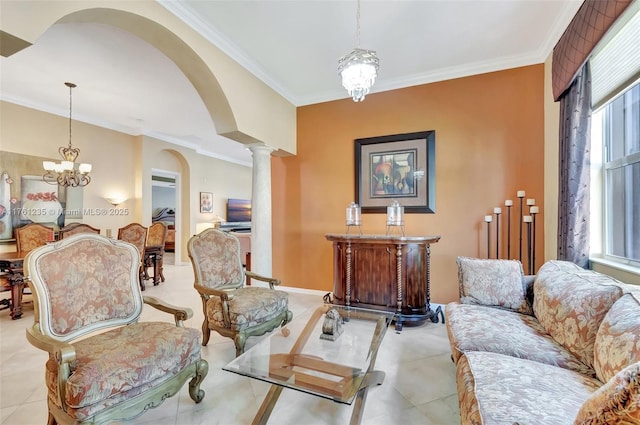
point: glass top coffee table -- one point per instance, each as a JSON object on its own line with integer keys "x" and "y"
{"x": 329, "y": 352}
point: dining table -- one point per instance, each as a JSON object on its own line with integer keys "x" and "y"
{"x": 11, "y": 264}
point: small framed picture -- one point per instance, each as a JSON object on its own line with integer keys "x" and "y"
{"x": 206, "y": 202}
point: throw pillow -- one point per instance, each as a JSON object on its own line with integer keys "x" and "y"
{"x": 618, "y": 339}
{"x": 498, "y": 283}
{"x": 615, "y": 403}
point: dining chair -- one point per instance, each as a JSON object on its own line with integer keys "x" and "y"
{"x": 136, "y": 234}
{"x": 154, "y": 251}
{"x": 230, "y": 308}
{"x": 75, "y": 228}
{"x": 104, "y": 364}
{"x": 31, "y": 236}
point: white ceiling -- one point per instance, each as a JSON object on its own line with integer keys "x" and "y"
{"x": 292, "y": 45}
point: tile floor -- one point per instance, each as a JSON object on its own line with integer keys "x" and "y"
{"x": 419, "y": 387}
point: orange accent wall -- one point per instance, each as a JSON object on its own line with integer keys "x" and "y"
{"x": 489, "y": 144}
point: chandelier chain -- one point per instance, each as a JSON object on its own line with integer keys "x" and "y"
{"x": 358, "y": 23}
{"x": 71, "y": 86}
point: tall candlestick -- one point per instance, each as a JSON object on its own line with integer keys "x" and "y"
{"x": 488, "y": 219}
{"x": 520, "y": 195}
{"x": 509, "y": 229}
{"x": 497, "y": 212}
{"x": 534, "y": 210}
{"x": 528, "y": 219}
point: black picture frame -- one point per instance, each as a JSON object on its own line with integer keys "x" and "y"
{"x": 382, "y": 167}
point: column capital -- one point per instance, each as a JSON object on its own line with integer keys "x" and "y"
{"x": 260, "y": 148}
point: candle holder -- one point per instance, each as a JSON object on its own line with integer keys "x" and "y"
{"x": 521, "y": 195}
{"x": 395, "y": 217}
{"x": 354, "y": 217}
{"x": 497, "y": 211}
{"x": 488, "y": 219}
{"x": 534, "y": 210}
{"x": 527, "y": 219}
{"x": 508, "y": 203}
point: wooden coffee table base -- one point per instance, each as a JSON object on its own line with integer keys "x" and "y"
{"x": 375, "y": 377}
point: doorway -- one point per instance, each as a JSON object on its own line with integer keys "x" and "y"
{"x": 165, "y": 207}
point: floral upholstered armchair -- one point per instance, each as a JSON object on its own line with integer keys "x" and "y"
{"x": 104, "y": 365}
{"x": 230, "y": 308}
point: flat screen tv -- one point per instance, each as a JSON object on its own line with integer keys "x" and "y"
{"x": 238, "y": 210}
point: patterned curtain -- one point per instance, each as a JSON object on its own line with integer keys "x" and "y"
{"x": 574, "y": 185}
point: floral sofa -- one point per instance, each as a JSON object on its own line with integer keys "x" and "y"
{"x": 561, "y": 347}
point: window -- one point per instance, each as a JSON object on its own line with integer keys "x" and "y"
{"x": 615, "y": 156}
{"x": 621, "y": 142}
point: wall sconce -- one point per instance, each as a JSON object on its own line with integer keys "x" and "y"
{"x": 116, "y": 200}
{"x": 395, "y": 217}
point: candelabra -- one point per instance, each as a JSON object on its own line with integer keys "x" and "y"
{"x": 488, "y": 219}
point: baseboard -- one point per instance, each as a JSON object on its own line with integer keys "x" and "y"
{"x": 303, "y": 290}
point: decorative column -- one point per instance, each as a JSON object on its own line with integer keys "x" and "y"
{"x": 261, "y": 247}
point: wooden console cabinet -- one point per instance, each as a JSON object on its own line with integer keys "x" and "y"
{"x": 386, "y": 273}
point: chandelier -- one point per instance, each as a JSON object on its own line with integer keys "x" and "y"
{"x": 67, "y": 172}
{"x": 358, "y": 68}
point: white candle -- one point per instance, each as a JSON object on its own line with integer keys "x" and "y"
{"x": 497, "y": 210}
{"x": 488, "y": 218}
{"x": 521, "y": 194}
{"x": 527, "y": 219}
{"x": 508, "y": 203}
{"x": 534, "y": 210}
{"x": 531, "y": 201}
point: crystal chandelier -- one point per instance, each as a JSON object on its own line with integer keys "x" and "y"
{"x": 66, "y": 173}
{"x": 358, "y": 68}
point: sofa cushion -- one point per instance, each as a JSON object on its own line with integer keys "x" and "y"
{"x": 498, "y": 283}
{"x": 502, "y": 390}
{"x": 616, "y": 402}
{"x": 250, "y": 306}
{"x": 571, "y": 302}
{"x": 479, "y": 328}
{"x": 618, "y": 339}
